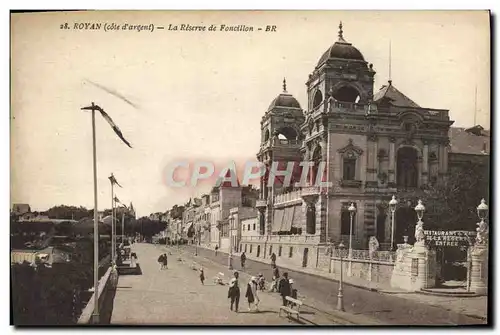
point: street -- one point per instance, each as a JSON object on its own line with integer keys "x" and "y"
{"x": 175, "y": 296}
{"x": 385, "y": 308}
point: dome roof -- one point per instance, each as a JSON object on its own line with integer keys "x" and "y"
{"x": 284, "y": 100}
{"x": 341, "y": 49}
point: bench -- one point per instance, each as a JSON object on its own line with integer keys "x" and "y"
{"x": 293, "y": 307}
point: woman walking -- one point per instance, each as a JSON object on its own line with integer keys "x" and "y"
{"x": 251, "y": 294}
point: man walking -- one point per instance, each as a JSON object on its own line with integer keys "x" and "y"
{"x": 276, "y": 278}
{"x": 160, "y": 261}
{"x": 234, "y": 292}
{"x": 273, "y": 260}
{"x": 284, "y": 287}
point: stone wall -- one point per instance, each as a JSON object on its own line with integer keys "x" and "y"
{"x": 374, "y": 271}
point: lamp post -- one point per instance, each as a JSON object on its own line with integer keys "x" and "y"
{"x": 352, "y": 211}
{"x": 419, "y": 230}
{"x": 340, "y": 295}
{"x": 482, "y": 210}
{"x": 392, "y": 206}
{"x": 482, "y": 230}
{"x": 230, "y": 256}
{"x": 420, "y": 209}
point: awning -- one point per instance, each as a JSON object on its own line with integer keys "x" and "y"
{"x": 298, "y": 217}
{"x": 286, "y": 225}
{"x": 277, "y": 220}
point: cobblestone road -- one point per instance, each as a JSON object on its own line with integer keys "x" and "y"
{"x": 176, "y": 297}
{"x": 385, "y": 308}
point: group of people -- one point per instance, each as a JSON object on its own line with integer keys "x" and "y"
{"x": 163, "y": 261}
{"x": 251, "y": 293}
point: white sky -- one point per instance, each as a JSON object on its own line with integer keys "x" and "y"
{"x": 202, "y": 95}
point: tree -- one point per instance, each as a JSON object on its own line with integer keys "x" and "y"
{"x": 451, "y": 204}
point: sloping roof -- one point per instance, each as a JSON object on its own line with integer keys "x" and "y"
{"x": 469, "y": 141}
{"x": 395, "y": 96}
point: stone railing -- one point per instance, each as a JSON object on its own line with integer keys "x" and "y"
{"x": 106, "y": 288}
{"x": 282, "y": 238}
{"x": 287, "y": 197}
{"x": 365, "y": 255}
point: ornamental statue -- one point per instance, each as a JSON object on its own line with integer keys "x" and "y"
{"x": 373, "y": 246}
{"x": 419, "y": 232}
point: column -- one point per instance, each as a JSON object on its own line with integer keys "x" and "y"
{"x": 371, "y": 167}
{"x": 425, "y": 164}
{"x": 392, "y": 158}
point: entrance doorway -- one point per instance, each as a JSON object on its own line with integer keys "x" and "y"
{"x": 304, "y": 259}
{"x": 258, "y": 250}
{"x": 452, "y": 266}
{"x": 407, "y": 168}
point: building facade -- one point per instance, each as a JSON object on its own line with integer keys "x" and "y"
{"x": 368, "y": 145}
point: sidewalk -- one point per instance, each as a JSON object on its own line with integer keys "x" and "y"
{"x": 176, "y": 297}
{"x": 471, "y": 306}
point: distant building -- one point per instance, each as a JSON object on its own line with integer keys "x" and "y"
{"x": 20, "y": 209}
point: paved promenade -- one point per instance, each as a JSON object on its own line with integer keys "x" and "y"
{"x": 176, "y": 297}
{"x": 390, "y": 309}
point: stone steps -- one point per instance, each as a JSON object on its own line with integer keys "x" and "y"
{"x": 448, "y": 292}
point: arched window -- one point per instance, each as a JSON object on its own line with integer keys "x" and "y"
{"x": 316, "y": 159}
{"x": 407, "y": 168}
{"x": 266, "y": 135}
{"x": 347, "y": 94}
{"x": 318, "y": 99}
{"x": 287, "y": 133}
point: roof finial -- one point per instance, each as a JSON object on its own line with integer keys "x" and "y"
{"x": 341, "y": 32}
{"x": 390, "y": 63}
{"x": 284, "y": 85}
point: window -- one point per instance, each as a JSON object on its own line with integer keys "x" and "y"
{"x": 243, "y": 227}
{"x": 279, "y": 251}
{"x": 345, "y": 220}
{"x": 248, "y": 228}
{"x": 251, "y": 245}
{"x": 246, "y": 247}
{"x": 349, "y": 169}
{"x": 290, "y": 254}
{"x": 241, "y": 247}
{"x": 254, "y": 226}
{"x": 270, "y": 250}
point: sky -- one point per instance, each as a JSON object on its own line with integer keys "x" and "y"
{"x": 201, "y": 95}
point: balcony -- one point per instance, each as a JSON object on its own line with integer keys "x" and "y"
{"x": 282, "y": 143}
{"x": 287, "y": 197}
{"x": 299, "y": 239}
{"x": 260, "y": 204}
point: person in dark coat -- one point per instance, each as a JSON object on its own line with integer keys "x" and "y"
{"x": 243, "y": 259}
{"x": 273, "y": 260}
{"x": 202, "y": 276}
{"x": 234, "y": 292}
{"x": 284, "y": 287}
{"x": 251, "y": 294}
{"x": 165, "y": 261}
{"x": 160, "y": 261}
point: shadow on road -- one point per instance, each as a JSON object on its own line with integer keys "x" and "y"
{"x": 123, "y": 270}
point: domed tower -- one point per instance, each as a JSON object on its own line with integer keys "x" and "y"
{"x": 280, "y": 136}
{"x": 341, "y": 73}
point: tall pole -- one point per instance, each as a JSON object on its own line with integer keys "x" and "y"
{"x": 340, "y": 295}
{"x": 96, "y": 227}
{"x": 112, "y": 224}
{"x": 350, "y": 236}
{"x": 123, "y": 226}
{"x": 392, "y": 229}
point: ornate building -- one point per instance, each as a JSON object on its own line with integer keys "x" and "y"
{"x": 374, "y": 145}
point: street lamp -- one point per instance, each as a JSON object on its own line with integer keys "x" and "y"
{"x": 340, "y": 296}
{"x": 482, "y": 210}
{"x": 230, "y": 256}
{"x": 352, "y": 211}
{"x": 392, "y": 206}
{"x": 420, "y": 209}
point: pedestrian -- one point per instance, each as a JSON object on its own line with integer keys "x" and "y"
{"x": 160, "y": 261}
{"x": 276, "y": 278}
{"x": 216, "y": 249}
{"x": 262, "y": 282}
{"x": 293, "y": 291}
{"x": 273, "y": 260}
{"x": 234, "y": 292}
{"x": 165, "y": 261}
{"x": 284, "y": 287}
{"x": 243, "y": 258}
{"x": 252, "y": 295}
{"x": 202, "y": 276}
